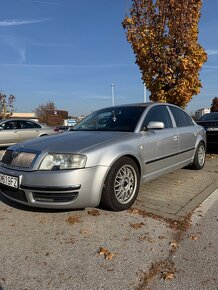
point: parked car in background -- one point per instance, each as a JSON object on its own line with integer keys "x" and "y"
{"x": 13, "y": 131}
{"x": 210, "y": 123}
{"x": 104, "y": 159}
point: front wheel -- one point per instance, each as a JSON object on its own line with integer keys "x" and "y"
{"x": 199, "y": 158}
{"x": 121, "y": 186}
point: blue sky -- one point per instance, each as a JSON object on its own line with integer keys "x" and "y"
{"x": 70, "y": 52}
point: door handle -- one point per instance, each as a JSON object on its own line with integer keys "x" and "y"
{"x": 175, "y": 138}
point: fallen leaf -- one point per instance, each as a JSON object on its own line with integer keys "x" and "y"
{"x": 137, "y": 225}
{"x": 44, "y": 220}
{"x": 174, "y": 244}
{"x": 168, "y": 275}
{"x": 135, "y": 210}
{"x": 94, "y": 212}
{"x": 107, "y": 254}
{"x": 73, "y": 219}
{"x": 193, "y": 237}
{"x": 103, "y": 251}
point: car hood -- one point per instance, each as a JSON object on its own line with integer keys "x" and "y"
{"x": 77, "y": 141}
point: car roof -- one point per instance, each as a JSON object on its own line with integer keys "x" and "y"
{"x": 147, "y": 104}
{"x": 17, "y": 119}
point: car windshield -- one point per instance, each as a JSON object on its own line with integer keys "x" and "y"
{"x": 210, "y": 117}
{"x": 122, "y": 119}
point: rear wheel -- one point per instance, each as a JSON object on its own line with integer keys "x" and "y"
{"x": 199, "y": 159}
{"x": 121, "y": 186}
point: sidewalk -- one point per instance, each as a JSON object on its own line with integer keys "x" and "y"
{"x": 176, "y": 194}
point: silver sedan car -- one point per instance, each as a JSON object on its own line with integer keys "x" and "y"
{"x": 13, "y": 131}
{"x": 104, "y": 158}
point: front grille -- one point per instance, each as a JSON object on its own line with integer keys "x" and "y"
{"x": 18, "y": 159}
{"x": 54, "y": 197}
{"x": 14, "y": 193}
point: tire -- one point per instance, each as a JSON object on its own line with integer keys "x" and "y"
{"x": 121, "y": 185}
{"x": 199, "y": 158}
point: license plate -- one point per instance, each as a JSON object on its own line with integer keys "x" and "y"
{"x": 8, "y": 180}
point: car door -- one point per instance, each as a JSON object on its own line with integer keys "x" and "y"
{"x": 161, "y": 145}
{"x": 28, "y": 130}
{"x": 9, "y": 133}
{"x": 187, "y": 133}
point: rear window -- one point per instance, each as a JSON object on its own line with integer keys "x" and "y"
{"x": 182, "y": 119}
{"x": 210, "y": 117}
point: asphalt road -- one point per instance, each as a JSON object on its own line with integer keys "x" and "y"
{"x": 61, "y": 250}
{"x": 96, "y": 249}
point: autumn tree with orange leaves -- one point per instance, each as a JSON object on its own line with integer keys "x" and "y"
{"x": 164, "y": 38}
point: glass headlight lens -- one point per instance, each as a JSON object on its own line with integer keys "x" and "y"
{"x": 63, "y": 161}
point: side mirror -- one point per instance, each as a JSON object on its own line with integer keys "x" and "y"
{"x": 155, "y": 125}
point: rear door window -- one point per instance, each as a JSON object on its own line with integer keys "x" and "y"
{"x": 28, "y": 125}
{"x": 182, "y": 119}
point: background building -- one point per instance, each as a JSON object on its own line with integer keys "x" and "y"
{"x": 199, "y": 113}
{"x": 31, "y": 116}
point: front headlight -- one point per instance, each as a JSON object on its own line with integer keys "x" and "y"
{"x": 55, "y": 161}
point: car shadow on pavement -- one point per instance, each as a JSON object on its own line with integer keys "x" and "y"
{"x": 19, "y": 206}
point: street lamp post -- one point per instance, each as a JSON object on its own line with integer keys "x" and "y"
{"x": 112, "y": 92}
{"x": 145, "y": 95}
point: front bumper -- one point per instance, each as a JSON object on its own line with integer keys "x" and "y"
{"x": 57, "y": 189}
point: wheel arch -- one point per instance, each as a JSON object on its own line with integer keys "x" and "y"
{"x": 121, "y": 156}
{"x": 42, "y": 135}
{"x": 136, "y": 161}
{"x": 201, "y": 141}
{"x": 104, "y": 196}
